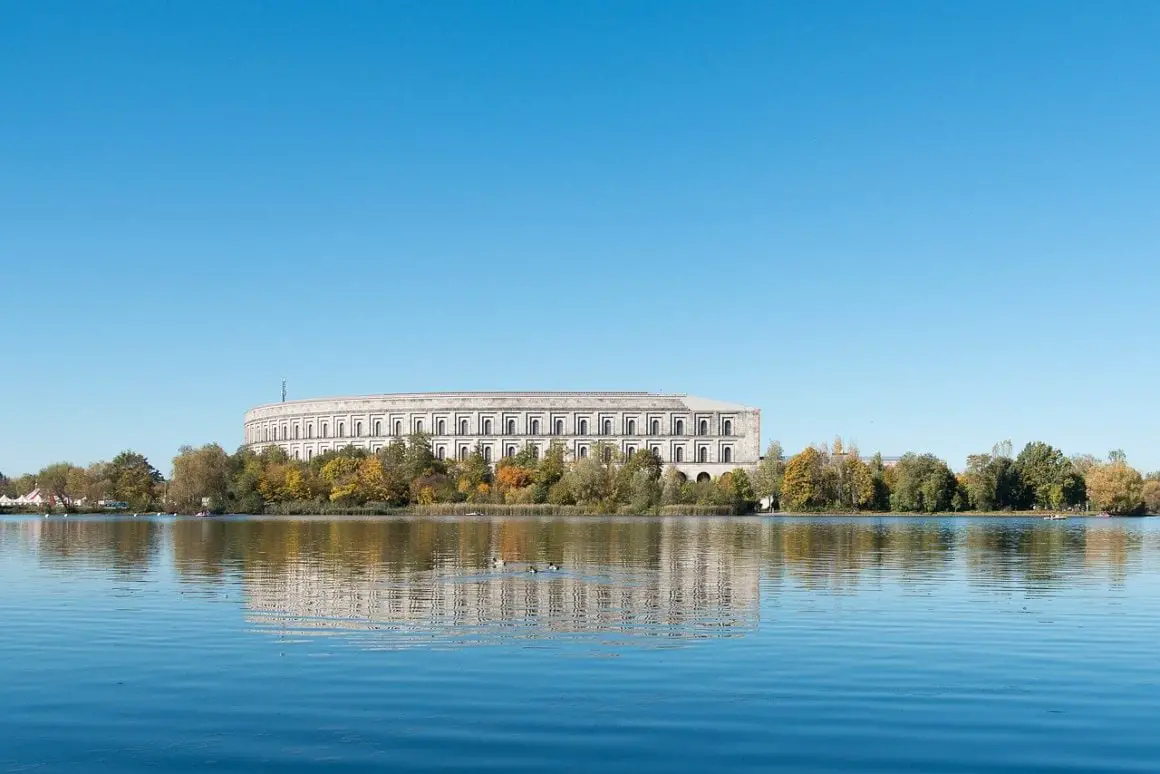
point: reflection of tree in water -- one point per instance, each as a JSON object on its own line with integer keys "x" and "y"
{"x": 837, "y": 553}
{"x": 422, "y": 544}
{"x": 636, "y": 576}
{"x": 121, "y": 544}
{"x": 1112, "y": 548}
{"x": 702, "y": 561}
{"x": 1033, "y": 555}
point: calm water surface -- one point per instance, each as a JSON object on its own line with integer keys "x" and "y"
{"x": 812, "y": 645}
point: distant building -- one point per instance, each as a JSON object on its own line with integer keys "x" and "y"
{"x": 701, "y": 437}
{"x": 36, "y": 498}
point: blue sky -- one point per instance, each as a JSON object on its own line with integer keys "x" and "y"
{"x": 921, "y": 226}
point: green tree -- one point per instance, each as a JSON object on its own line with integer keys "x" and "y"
{"x": 672, "y": 487}
{"x": 592, "y": 479}
{"x": 880, "y": 477}
{"x": 644, "y": 460}
{"x": 992, "y": 481}
{"x": 99, "y": 482}
{"x": 77, "y": 487}
{"x": 133, "y": 480}
{"x": 1049, "y": 478}
{"x": 474, "y": 478}
{"x": 923, "y": 483}
{"x": 770, "y": 472}
{"x": 561, "y": 493}
{"x": 848, "y": 481}
{"x": 549, "y": 471}
{"x": 1150, "y": 493}
{"x": 736, "y": 491}
{"x": 53, "y": 480}
{"x": 199, "y": 475}
{"x": 644, "y": 491}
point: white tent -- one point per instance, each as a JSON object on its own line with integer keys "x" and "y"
{"x": 35, "y": 497}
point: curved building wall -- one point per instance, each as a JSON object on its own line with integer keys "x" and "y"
{"x": 697, "y": 435}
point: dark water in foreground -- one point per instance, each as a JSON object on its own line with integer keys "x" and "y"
{"x": 672, "y": 645}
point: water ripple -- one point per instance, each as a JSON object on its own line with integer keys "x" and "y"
{"x": 661, "y": 644}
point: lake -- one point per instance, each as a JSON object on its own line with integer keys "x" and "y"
{"x": 668, "y": 645}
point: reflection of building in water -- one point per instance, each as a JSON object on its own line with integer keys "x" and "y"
{"x": 696, "y": 586}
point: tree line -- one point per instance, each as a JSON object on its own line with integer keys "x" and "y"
{"x": 402, "y": 474}
{"x": 836, "y": 478}
{"x": 821, "y": 478}
{"x": 128, "y": 478}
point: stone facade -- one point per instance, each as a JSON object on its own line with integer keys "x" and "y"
{"x": 697, "y": 435}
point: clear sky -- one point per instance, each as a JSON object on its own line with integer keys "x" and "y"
{"x": 922, "y": 226}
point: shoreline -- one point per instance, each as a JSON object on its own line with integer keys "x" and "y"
{"x": 521, "y": 511}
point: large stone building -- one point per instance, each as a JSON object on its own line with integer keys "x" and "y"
{"x": 701, "y": 437}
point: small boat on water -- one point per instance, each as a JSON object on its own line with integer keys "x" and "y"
{"x": 474, "y": 513}
{"x": 1055, "y": 517}
{"x": 203, "y": 514}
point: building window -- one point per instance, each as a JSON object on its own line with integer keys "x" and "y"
{"x": 535, "y": 427}
{"x": 310, "y": 454}
{"x": 630, "y": 427}
{"x": 583, "y": 427}
{"x": 295, "y": 432}
{"x": 487, "y": 454}
{"x": 463, "y": 427}
{"x": 608, "y": 427}
{"x": 341, "y": 429}
{"x": 439, "y": 453}
{"x": 631, "y": 451}
{"x": 702, "y": 454}
{"x": 487, "y": 427}
{"x": 655, "y": 427}
{"x": 285, "y": 435}
{"x": 511, "y": 427}
{"x": 310, "y": 431}
{"x": 266, "y": 434}
{"x": 583, "y": 452}
{"x": 727, "y": 427}
{"x": 418, "y": 425}
{"x": 679, "y": 427}
{"x": 607, "y": 454}
{"x": 559, "y": 427}
{"x": 325, "y": 430}
{"x": 511, "y": 451}
{"x": 657, "y": 451}
{"x": 398, "y": 428}
{"x": 378, "y": 427}
{"x": 703, "y": 478}
{"x": 358, "y": 429}
{"x": 678, "y": 454}
{"x": 441, "y": 428}
{"x": 462, "y": 452}
{"x": 295, "y": 454}
{"x": 703, "y": 428}
{"x": 535, "y": 452}
{"x": 726, "y": 454}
